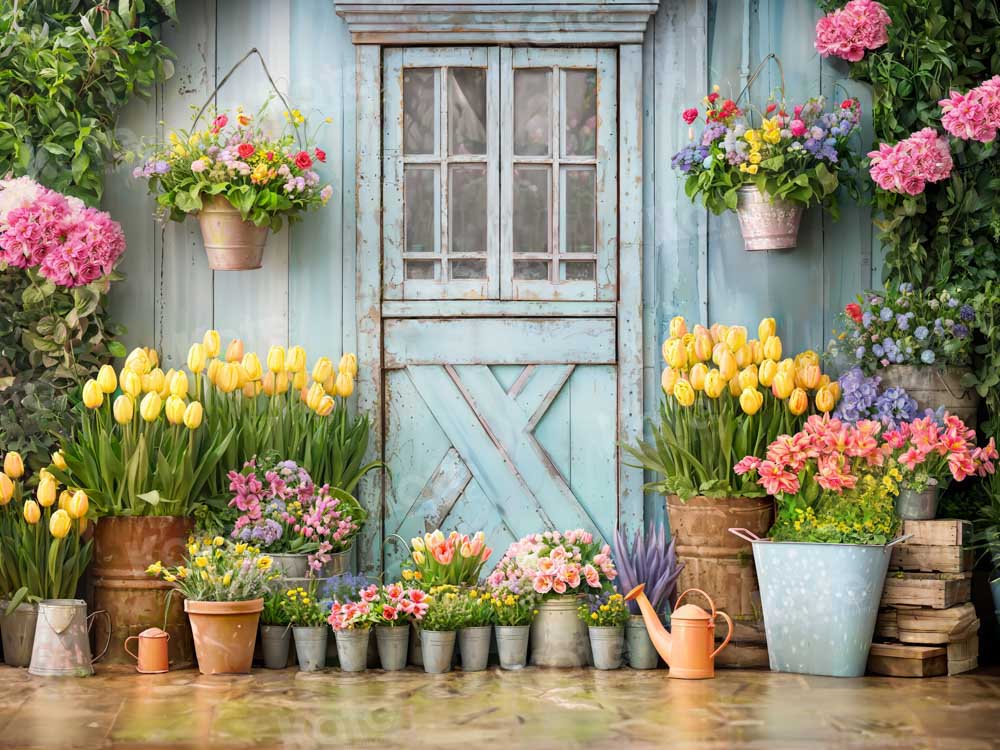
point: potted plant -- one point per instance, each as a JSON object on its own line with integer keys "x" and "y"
{"x": 513, "y": 613}
{"x": 42, "y": 553}
{"x": 606, "y": 614}
{"x": 653, "y": 562}
{"x": 439, "y": 628}
{"x": 224, "y": 585}
{"x": 309, "y": 627}
{"x": 916, "y": 339}
{"x": 559, "y": 567}
{"x": 352, "y": 623}
{"x": 395, "y": 608}
{"x": 275, "y": 630}
{"x": 240, "y": 180}
{"x": 475, "y": 629}
{"x": 769, "y": 166}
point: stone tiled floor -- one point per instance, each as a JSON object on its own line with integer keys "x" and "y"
{"x": 530, "y": 709}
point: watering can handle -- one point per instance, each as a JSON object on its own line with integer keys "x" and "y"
{"x": 745, "y": 534}
{"x": 728, "y": 635}
{"x": 696, "y": 591}
{"x": 107, "y": 645}
{"x": 125, "y": 646}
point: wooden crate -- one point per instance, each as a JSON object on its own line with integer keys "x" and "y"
{"x": 932, "y": 558}
{"x": 898, "y": 660}
{"x": 886, "y": 625}
{"x": 935, "y": 626}
{"x": 937, "y": 590}
{"x": 944, "y": 531}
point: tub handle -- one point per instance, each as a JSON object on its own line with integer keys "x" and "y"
{"x": 899, "y": 540}
{"x": 745, "y": 534}
{"x": 107, "y": 644}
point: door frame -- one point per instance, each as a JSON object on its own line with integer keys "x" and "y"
{"x": 581, "y": 25}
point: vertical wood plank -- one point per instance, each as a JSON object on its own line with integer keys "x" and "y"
{"x": 606, "y": 178}
{"x": 392, "y": 176}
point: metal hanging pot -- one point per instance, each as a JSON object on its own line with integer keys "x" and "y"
{"x": 231, "y": 243}
{"x": 767, "y": 224}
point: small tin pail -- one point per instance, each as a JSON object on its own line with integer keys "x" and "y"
{"x": 62, "y": 640}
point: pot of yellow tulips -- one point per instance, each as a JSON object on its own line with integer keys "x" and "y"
{"x": 725, "y": 394}
{"x": 43, "y": 552}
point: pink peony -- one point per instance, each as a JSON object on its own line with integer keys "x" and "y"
{"x": 849, "y": 32}
{"x": 975, "y": 115}
{"x": 907, "y": 166}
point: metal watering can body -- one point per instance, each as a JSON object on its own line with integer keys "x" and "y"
{"x": 689, "y": 648}
{"x": 62, "y": 639}
{"x": 152, "y": 656}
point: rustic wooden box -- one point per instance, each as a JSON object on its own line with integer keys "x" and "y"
{"x": 944, "y": 531}
{"x": 937, "y": 590}
{"x": 932, "y": 558}
{"x": 936, "y": 626}
{"x": 899, "y": 660}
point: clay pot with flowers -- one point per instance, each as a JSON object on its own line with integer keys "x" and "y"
{"x": 240, "y": 180}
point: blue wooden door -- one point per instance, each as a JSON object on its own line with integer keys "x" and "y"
{"x": 499, "y": 287}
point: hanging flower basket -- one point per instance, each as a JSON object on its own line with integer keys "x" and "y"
{"x": 231, "y": 243}
{"x": 766, "y": 223}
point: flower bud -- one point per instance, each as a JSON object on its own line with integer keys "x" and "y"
{"x": 124, "y": 409}
{"x": 313, "y": 395}
{"x": 179, "y": 384}
{"x": 736, "y": 338}
{"x": 703, "y": 347}
{"x": 193, "y": 415}
{"x": 719, "y": 331}
{"x": 808, "y": 357}
{"x": 748, "y": 377}
{"x": 175, "y": 410}
{"x": 344, "y": 385}
{"x": 93, "y": 397}
{"x": 678, "y": 327}
{"x": 59, "y": 460}
{"x": 349, "y": 364}
{"x": 228, "y": 379}
{"x": 727, "y": 365}
{"x": 137, "y": 361}
{"x": 824, "y": 400}
{"x": 714, "y": 384}
{"x": 6, "y": 488}
{"x": 697, "y": 376}
{"x": 64, "y": 497}
{"x": 213, "y": 370}
{"x": 60, "y": 524}
{"x": 766, "y": 372}
{"x": 677, "y": 355}
{"x": 766, "y": 329}
{"x": 787, "y": 366}
{"x": 299, "y": 380}
{"x": 32, "y": 513}
{"x": 78, "y": 505}
{"x": 295, "y": 360}
{"x": 212, "y": 343}
{"x": 234, "y": 352}
{"x": 197, "y": 358}
{"x": 808, "y": 376}
{"x": 150, "y": 406}
{"x": 267, "y": 383}
{"x": 757, "y": 351}
{"x": 281, "y": 383}
{"x": 772, "y": 348}
{"x": 734, "y": 388}
{"x": 783, "y": 385}
{"x": 833, "y": 388}
{"x": 13, "y": 465}
{"x": 151, "y": 356}
{"x": 326, "y": 405}
{"x": 46, "y": 492}
{"x": 276, "y": 359}
{"x": 107, "y": 379}
{"x": 751, "y": 400}
{"x": 684, "y": 393}
{"x": 744, "y": 356}
{"x": 251, "y": 364}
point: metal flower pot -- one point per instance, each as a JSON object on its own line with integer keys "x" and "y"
{"x": 767, "y": 224}
{"x": 512, "y": 645}
{"x": 607, "y": 645}
{"x": 638, "y": 645}
{"x": 912, "y": 505}
{"x": 392, "y": 643}
{"x": 290, "y": 565}
{"x": 275, "y": 641}
{"x": 416, "y": 654}
{"x": 310, "y": 647}
{"x": 62, "y": 639}
{"x": 17, "y": 631}
{"x": 352, "y": 649}
{"x": 438, "y": 648}
{"x": 231, "y": 243}
{"x": 558, "y": 635}
{"x": 474, "y": 647}
{"x": 338, "y": 564}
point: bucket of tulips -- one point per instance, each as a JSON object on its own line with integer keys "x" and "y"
{"x": 561, "y": 568}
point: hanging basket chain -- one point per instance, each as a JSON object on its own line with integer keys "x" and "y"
{"x": 760, "y": 69}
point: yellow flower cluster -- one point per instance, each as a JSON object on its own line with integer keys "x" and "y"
{"x": 73, "y": 503}
{"x": 299, "y": 595}
{"x": 723, "y": 359}
{"x": 770, "y": 132}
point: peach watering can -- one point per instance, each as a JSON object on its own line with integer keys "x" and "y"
{"x": 688, "y": 648}
{"x": 152, "y": 657}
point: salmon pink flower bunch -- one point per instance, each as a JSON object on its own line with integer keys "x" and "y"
{"x": 554, "y": 563}
{"x": 392, "y": 605}
{"x": 909, "y": 165}
{"x": 929, "y": 450}
{"x": 848, "y": 33}
{"x": 453, "y": 560}
{"x": 974, "y": 115}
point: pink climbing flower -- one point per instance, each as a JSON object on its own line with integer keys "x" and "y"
{"x": 848, "y": 33}
{"x": 909, "y": 165}
{"x": 974, "y": 115}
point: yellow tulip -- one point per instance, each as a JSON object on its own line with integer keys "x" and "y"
{"x": 751, "y": 400}
{"x": 787, "y": 366}
{"x": 714, "y": 384}
{"x": 772, "y": 348}
{"x": 304, "y": 395}
{"x": 808, "y": 377}
{"x": 151, "y": 356}
{"x": 736, "y": 338}
{"x": 684, "y": 393}
{"x": 295, "y": 360}
{"x": 677, "y": 355}
{"x": 344, "y": 385}
{"x": 349, "y": 364}
{"x": 314, "y": 395}
{"x": 107, "y": 379}
{"x": 152, "y": 382}
{"x": 330, "y": 384}
{"x": 276, "y": 359}
{"x": 60, "y": 524}
{"x": 213, "y": 370}
{"x": 252, "y": 388}
{"x": 719, "y": 331}
{"x": 748, "y": 377}
{"x": 783, "y": 385}
{"x": 197, "y": 358}
{"x": 46, "y": 492}
{"x": 824, "y": 400}
{"x": 766, "y": 372}
{"x": 299, "y": 380}
{"x": 757, "y": 350}
{"x": 808, "y": 357}
{"x": 267, "y": 383}
{"x": 703, "y": 346}
{"x": 175, "y": 410}
{"x": 234, "y": 352}
{"x": 228, "y": 379}
{"x": 165, "y": 386}
{"x": 13, "y": 465}
{"x": 193, "y": 415}
{"x": 697, "y": 376}
{"x": 322, "y": 370}
{"x": 692, "y": 356}
{"x": 798, "y": 402}
{"x": 6, "y": 488}
{"x": 766, "y": 329}
{"x": 212, "y": 343}
{"x": 734, "y": 388}
{"x": 823, "y": 380}
{"x": 326, "y": 405}
{"x": 744, "y": 356}
{"x": 727, "y": 365}
{"x": 179, "y": 385}
{"x": 668, "y": 344}
{"x": 678, "y": 327}
{"x": 667, "y": 379}
{"x": 32, "y": 513}
{"x": 78, "y": 505}
{"x": 59, "y": 460}
{"x": 124, "y": 409}
{"x": 687, "y": 338}
{"x": 242, "y": 375}
{"x": 251, "y": 363}
{"x": 717, "y": 350}
{"x": 281, "y": 383}
{"x": 93, "y": 396}
{"x": 137, "y": 361}
{"x": 833, "y": 388}
{"x": 418, "y": 557}
{"x": 150, "y": 406}
{"x": 64, "y": 497}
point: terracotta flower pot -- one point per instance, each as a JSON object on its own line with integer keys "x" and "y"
{"x": 224, "y": 634}
{"x": 231, "y": 243}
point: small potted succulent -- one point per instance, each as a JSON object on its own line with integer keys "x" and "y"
{"x": 439, "y": 628}
{"x": 475, "y": 629}
{"x": 605, "y": 615}
{"x": 352, "y": 617}
{"x": 512, "y": 615}
{"x": 275, "y": 631}
{"x": 395, "y": 608}
{"x": 309, "y": 628}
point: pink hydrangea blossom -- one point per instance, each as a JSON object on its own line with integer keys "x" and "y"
{"x": 909, "y": 165}
{"x": 848, "y": 33}
{"x": 554, "y": 562}
{"x": 974, "y": 115}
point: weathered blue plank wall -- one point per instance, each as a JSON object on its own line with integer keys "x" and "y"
{"x": 693, "y": 263}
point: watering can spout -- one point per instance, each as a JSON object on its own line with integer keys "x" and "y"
{"x": 654, "y": 626}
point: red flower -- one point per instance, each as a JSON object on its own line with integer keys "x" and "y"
{"x": 269, "y": 156}
{"x": 302, "y": 160}
{"x": 712, "y": 97}
{"x": 853, "y": 311}
{"x": 771, "y": 108}
{"x": 847, "y": 103}
{"x": 245, "y": 150}
{"x": 320, "y": 154}
{"x": 219, "y": 123}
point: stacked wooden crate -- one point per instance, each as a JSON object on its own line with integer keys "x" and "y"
{"x": 927, "y": 625}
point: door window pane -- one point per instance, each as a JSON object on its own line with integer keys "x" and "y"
{"x": 422, "y": 270}
{"x": 531, "y": 270}
{"x": 420, "y": 208}
{"x": 576, "y": 270}
{"x": 419, "y": 96}
{"x": 466, "y": 111}
{"x": 468, "y": 268}
{"x": 532, "y": 126}
{"x": 531, "y": 209}
{"x": 467, "y": 208}
{"x": 579, "y": 218}
{"x": 580, "y": 113}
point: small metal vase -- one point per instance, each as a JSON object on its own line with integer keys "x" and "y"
{"x": 438, "y": 647}
{"x": 231, "y": 243}
{"x": 512, "y": 645}
{"x": 641, "y": 652}
{"x": 608, "y": 645}
{"x": 767, "y": 224}
{"x": 474, "y": 647}
{"x": 352, "y": 649}
{"x": 275, "y": 641}
{"x": 392, "y": 643}
{"x": 310, "y": 647}
{"x": 18, "y": 632}
{"x": 917, "y": 506}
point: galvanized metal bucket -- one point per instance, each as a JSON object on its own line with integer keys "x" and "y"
{"x": 917, "y": 506}
{"x": 638, "y": 645}
{"x": 62, "y": 639}
{"x": 416, "y": 655}
{"x": 820, "y": 602}
{"x": 275, "y": 642}
{"x": 352, "y": 649}
{"x": 231, "y": 243}
{"x": 290, "y": 565}
{"x": 558, "y": 636}
{"x": 338, "y": 564}
{"x": 767, "y": 224}
{"x": 474, "y": 647}
{"x": 310, "y": 647}
{"x": 512, "y": 645}
{"x": 608, "y": 645}
{"x": 438, "y": 648}
{"x": 392, "y": 643}
{"x": 17, "y": 631}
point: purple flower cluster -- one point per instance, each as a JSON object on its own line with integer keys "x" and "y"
{"x": 689, "y": 156}
{"x": 862, "y": 398}
{"x": 263, "y": 533}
